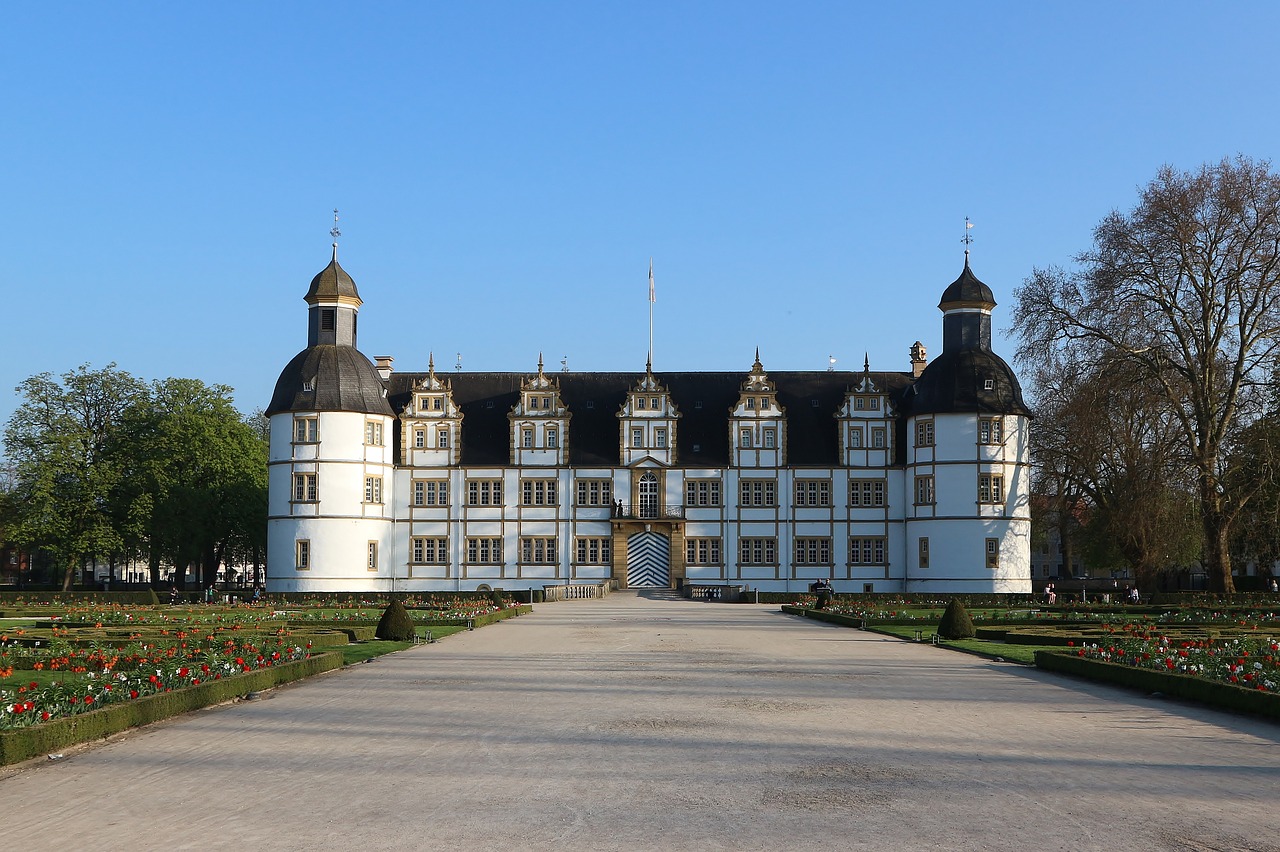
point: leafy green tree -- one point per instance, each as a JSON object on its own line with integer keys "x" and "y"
{"x": 196, "y": 492}
{"x": 59, "y": 442}
{"x": 1185, "y": 289}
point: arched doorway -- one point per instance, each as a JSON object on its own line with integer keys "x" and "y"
{"x": 648, "y": 560}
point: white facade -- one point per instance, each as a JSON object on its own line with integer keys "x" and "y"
{"x": 438, "y": 483}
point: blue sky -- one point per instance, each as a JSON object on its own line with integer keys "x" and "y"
{"x": 800, "y": 172}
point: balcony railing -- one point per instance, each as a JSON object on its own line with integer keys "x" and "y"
{"x": 646, "y": 512}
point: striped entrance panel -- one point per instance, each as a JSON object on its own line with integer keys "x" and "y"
{"x": 648, "y": 560}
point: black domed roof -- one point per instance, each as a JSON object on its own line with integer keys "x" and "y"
{"x": 332, "y": 282}
{"x": 967, "y": 288}
{"x": 957, "y": 382}
{"x": 339, "y": 378}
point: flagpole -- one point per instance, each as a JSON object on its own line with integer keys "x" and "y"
{"x": 651, "y": 301}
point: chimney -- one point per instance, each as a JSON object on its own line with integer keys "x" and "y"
{"x": 383, "y": 365}
{"x": 919, "y": 359}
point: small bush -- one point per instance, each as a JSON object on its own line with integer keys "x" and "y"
{"x": 956, "y": 623}
{"x": 395, "y": 624}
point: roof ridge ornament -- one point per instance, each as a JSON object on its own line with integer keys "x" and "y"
{"x": 967, "y": 239}
{"x": 335, "y": 233}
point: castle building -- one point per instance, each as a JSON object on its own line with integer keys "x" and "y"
{"x": 907, "y": 482}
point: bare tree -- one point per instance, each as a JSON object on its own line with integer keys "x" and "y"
{"x": 1186, "y": 289}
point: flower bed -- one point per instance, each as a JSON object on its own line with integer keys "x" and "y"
{"x": 1248, "y": 661}
{"x": 85, "y": 723}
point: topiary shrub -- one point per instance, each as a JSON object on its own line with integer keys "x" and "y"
{"x": 395, "y": 624}
{"x": 956, "y": 623}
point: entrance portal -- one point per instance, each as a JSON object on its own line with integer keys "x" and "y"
{"x": 648, "y": 560}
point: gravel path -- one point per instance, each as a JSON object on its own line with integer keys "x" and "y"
{"x": 644, "y": 722}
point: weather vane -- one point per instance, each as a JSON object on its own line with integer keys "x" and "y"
{"x": 968, "y": 237}
{"x": 334, "y": 232}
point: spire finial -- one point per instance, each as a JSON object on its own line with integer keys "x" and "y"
{"x": 648, "y": 364}
{"x": 866, "y": 362}
{"x": 335, "y": 233}
{"x": 967, "y": 239}
{"x": 539, "y": 363}
{"x": 431, "y": 363}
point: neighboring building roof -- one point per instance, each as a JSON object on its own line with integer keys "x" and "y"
{"x": 956, "y": 382}
{"x": 339, "y": 378}
{"x": 703, "y": 400}
{"x": 332, "y": 282}
{"x": 967, "y": 288}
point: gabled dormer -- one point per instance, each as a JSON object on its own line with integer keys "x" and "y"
{"x": 757, "y": 423}
{"x": 865, "y": 422}
{"x": 539, "y": 423}
{"x": 647, "y": 423}
{"x": 431, "y": 423}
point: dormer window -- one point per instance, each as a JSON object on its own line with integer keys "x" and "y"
{"x": 640, "y": 402}
{"x": 653, "y": 403}
{"x": 764, "y": 403}
{"x": 859, "y": 404}
{"x": 751, "y": 402}
{"x": 875, "y": 403}
{"x": 989, "y": 384}
{"x": 546, "y": 403}
{"x": 437, "y": 404}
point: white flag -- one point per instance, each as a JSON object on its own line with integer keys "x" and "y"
{"x": 652, "y": 297}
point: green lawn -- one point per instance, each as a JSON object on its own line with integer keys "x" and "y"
{"x": 361, "y": 651}
{"x": 1025, "y": 654}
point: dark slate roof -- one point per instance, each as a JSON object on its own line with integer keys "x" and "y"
{"x": 594, "y": 399}
{"x": 967, "y": 288}
{"x": 342, "y": 380}
{"x": 955, "y": 382}
{"x": 332, "y": 282}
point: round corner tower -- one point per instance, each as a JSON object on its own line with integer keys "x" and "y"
{"x": 329, "y": 521}
{"x": 967, "y": 458}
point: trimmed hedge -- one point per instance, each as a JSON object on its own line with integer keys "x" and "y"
{"x": 1225, "y": 696}
{"x": 823, "y": 615}
{"x": 26, "y": 743}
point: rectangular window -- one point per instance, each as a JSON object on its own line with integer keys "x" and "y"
{"x": 924, "y": 433}
{"x": 990, "y": 431}
{"x": 437, "y": 404}
{"x": 430, "y": 492}
{"x": 770, "y": 438}
{"x": 484, "y": 551}
{"x": 653, "y": 403}
{"x": 373, "y": 489}
{"x": 758, "y": 551}
{"x": 924, "y": 490}
{"x": 595, "y": 492}
{"x": 702, "y": 551}
{"x": 537, "y": 492}
{"x": 526, "y": 438}
{"x": 442, "y": 438}
{"x": 430, "y": 551}
{"x": 484, "y": 492}
{"x": 660, "y": 438}
{"x": 745, "y": 439}
{"x": 553, "y": 438}
{"x": 373, "y": 556}
{"x": 764, "y": 403}
{"x": 304, "y": 488}
{"x": 302, "y": 554}
{"x": 594, "y": 551}
{"x": 759, "y": 492}
{"x": 306, "y": 430}
{"x": 419, "y": 439}
{"x": 924, "y": 552}
{"x": 537, "y": 551}
{"x": 702, "y": 492}
{"x": 813, "y": 551}
{"x": 993, "y": 553}
{"x": 859, "y": 404}
{"x": 865, "y": 493}
{"x": 637, "y": 437}
{"x": 373, "y": 433}
{"x": 878, "y": 439}
{"x": 867, "y": 550}
{"x": 855, "y": 438}
{"x": 990, "y": 488}
{"x": 751, "y": 403}
{"x": 813, "y": 492}
{"x": 641, "y": 403}
{"x": 875, "y": 403}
